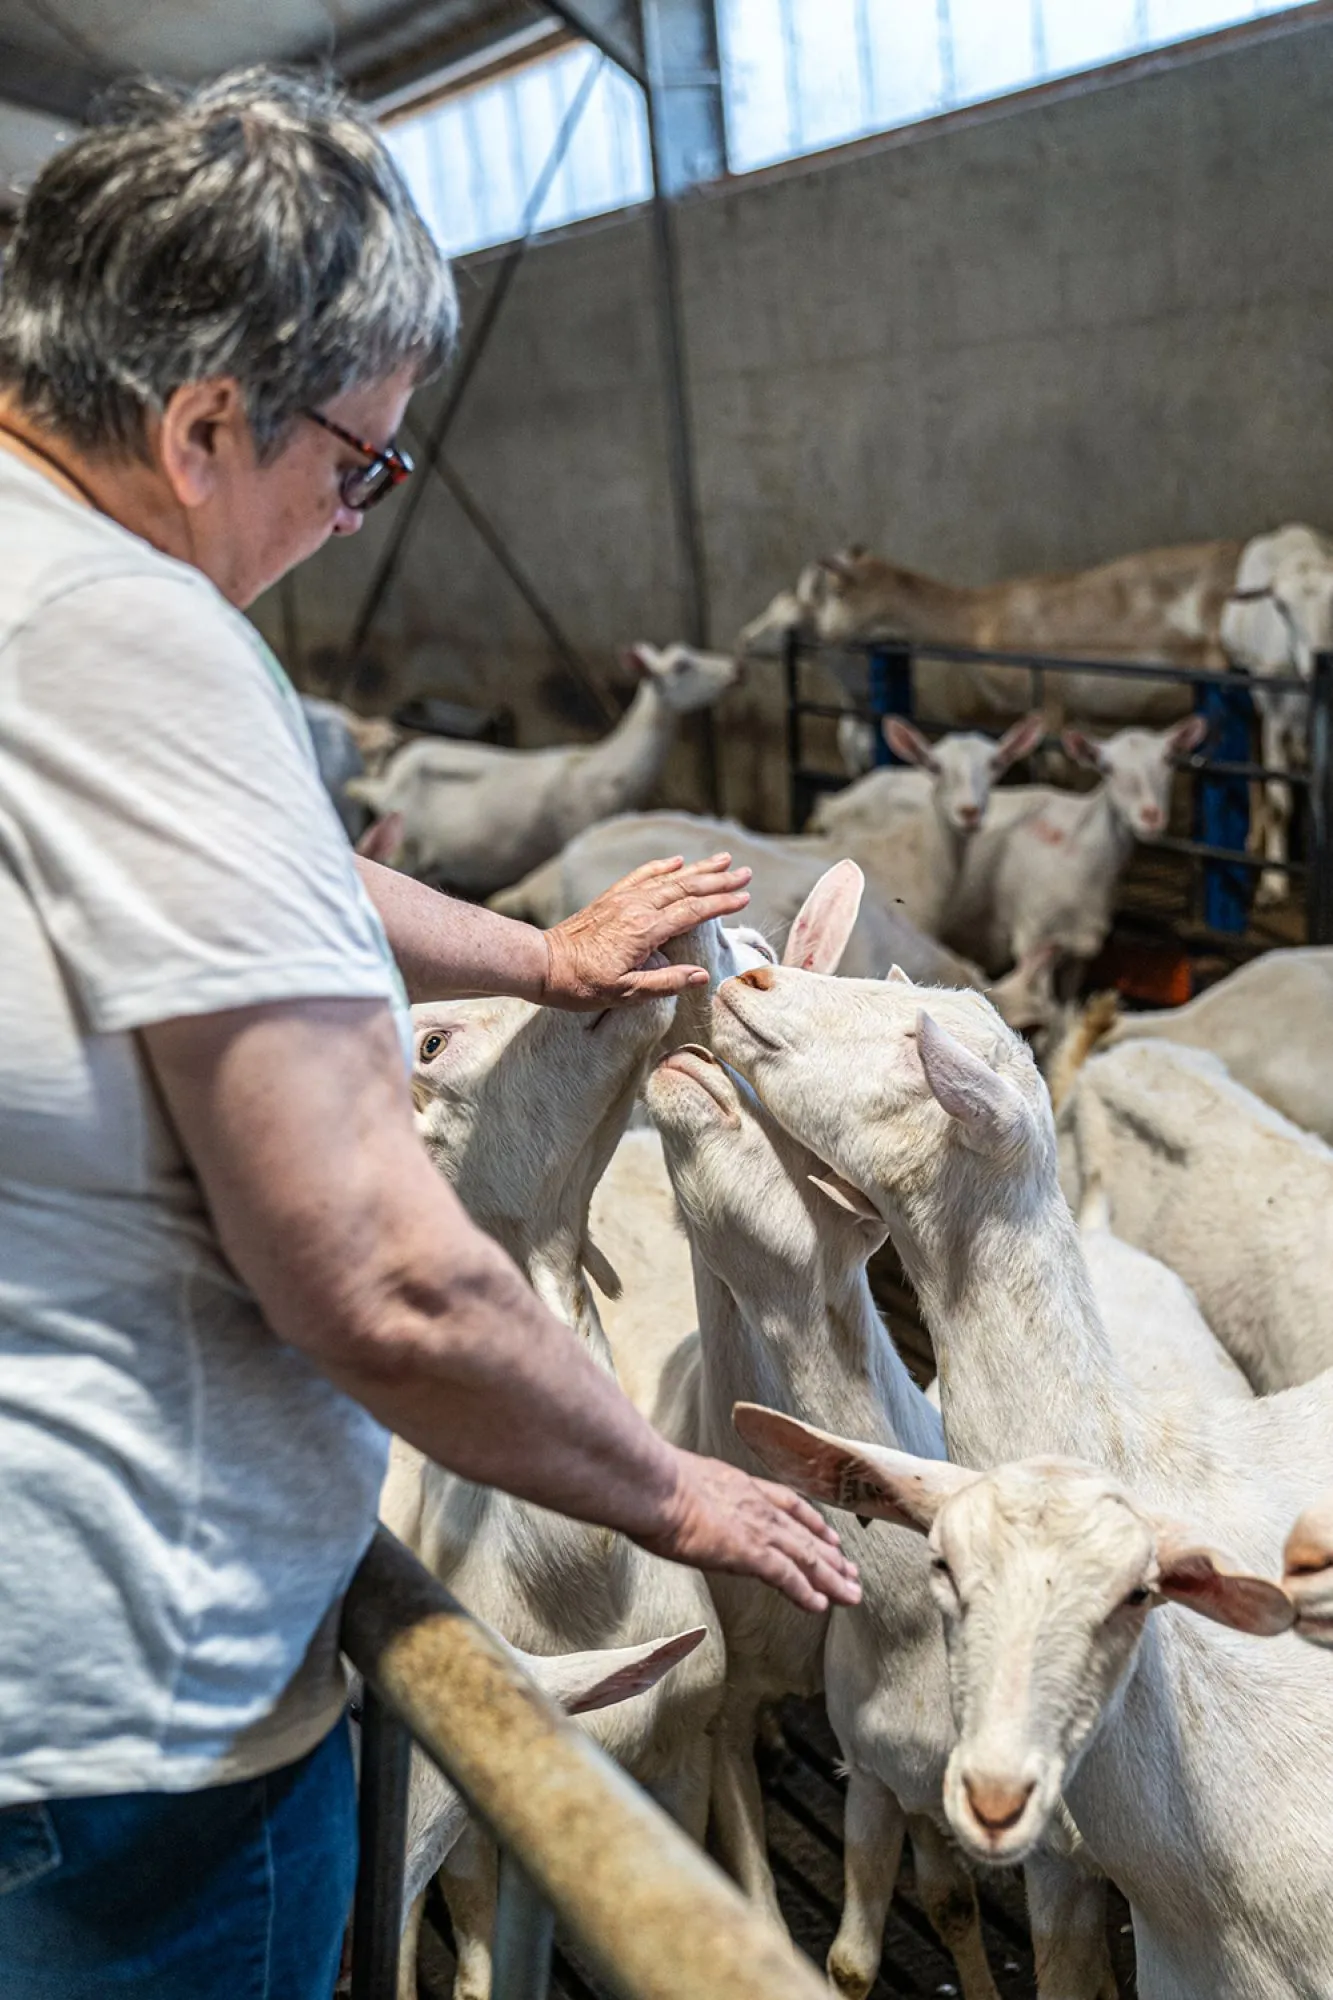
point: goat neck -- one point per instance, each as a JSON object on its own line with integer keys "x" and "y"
{"x": 627, "y": 763}
{"x": 1019, "y": 1342}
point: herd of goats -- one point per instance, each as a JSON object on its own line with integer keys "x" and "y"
{"x": 1096, "y": 1564}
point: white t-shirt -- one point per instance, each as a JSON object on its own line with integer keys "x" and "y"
{"x": 182, "y": 1497}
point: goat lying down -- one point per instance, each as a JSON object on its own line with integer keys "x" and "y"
{"x": 1270, "y": 1022}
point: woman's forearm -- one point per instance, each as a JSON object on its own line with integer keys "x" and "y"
{"x": 598, "y": 957}
{"x": 446, "y": 949}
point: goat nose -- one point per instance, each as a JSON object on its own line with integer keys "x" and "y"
{"x": 969, "y": 815}
{"x": 1152, "y": 817}
{"x": 1306, "y": 1557}
{"x": 998, "y": 1803}
{"x": 761, "y": 977}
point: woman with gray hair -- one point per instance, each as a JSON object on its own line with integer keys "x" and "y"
{"x": 227, "y": 1268}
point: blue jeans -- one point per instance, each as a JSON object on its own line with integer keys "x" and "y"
{"x": 239, "y": 1892}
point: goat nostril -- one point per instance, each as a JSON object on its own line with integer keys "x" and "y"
{"x": 998, "y": 1803}
{"x": 1306, "y": 1559}
{"x": 760, "y": 977}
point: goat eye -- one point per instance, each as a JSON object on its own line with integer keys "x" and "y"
{"x": 1139, "y": 1596}
{"x": 941, "y": 1568}
{"x": 432, "y": 1045}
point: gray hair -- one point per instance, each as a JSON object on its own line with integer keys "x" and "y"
{"x": 255, "y": 227}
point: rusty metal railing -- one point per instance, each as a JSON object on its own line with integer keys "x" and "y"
{"x": 580, "y": 1843}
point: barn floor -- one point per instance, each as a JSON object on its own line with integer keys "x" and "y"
{"x": 804, "y": 1799}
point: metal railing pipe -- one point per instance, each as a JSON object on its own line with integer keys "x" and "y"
{"x": 650, "y": 1912}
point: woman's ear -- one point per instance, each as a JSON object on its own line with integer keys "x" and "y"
{"x": 203, "y": 432}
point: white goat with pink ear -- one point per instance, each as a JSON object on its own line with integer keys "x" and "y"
{"x": 1205, "y": 1793}
{"x": 1045, "y": 866}
{"x": 1045, "y": 1572}
{"x": 521, "y": 1107}
{"x": 910, "y": 828}
{"x": 780, "y": 1246}
{"x": 476, "y": 817}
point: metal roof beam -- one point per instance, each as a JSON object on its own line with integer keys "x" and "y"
{"x": 610, "y": 25}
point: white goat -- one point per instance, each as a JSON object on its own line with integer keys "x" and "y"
{"x": 1044, "y": 867}
{"x": 780, "y": 1247}
{"x": 477, "y": 818}
{"x": 1151, "y": 1315}
{"x": 785, "y": 871}
{"x": 1205, "y": 1794}
{"x": 634, "y": 1219}
{"x": 1279, "y": 615}
{"x": 1270, "y": 1022}
{"x": 915, "y": 825}
{"x": 521, "y": 1107}
{"x": 1215, "y": 1183}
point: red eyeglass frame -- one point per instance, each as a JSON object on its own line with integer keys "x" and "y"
{"x": 361, "y": 486}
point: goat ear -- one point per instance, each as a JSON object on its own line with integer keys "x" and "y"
{"x": 1206, "y": 1581}
{"x": 984, "y": 1103}
{"x": 1020, "y": 741}
{"x": 640, "y": 660}
{"x": 837, "y": 566}
{"x": 601, "y": 1270}
{"x": 826, "y": 919}
{"x": 908, "y": 743}
{"x": 895, "y": 976}
{"x": 382, "y": 839}
{"x": 843, "y": 1195}
{"x": 581, "y": 1682}
{"x": 1186, "y": 736}
{"x": 862, "y": 1479}
{"x": 1082, "y": 749}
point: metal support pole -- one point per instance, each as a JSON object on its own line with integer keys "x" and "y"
{"x": 377, "y": 1912}
{"x": 1319, "y": 880}
{"x": 524, "y": 1936}
{"x": 890, "y": 692}
{"x": 1222, "y": 807}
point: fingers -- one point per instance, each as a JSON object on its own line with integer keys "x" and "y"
{"x": 671, "y": 979}
{"x": 801, "y": 1510}
{"x": 648, "y": 869}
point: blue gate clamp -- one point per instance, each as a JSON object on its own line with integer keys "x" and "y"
{"x": 1222, "y": 805}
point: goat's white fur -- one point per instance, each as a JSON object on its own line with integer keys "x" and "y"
{"x": 1203, "y": 1791}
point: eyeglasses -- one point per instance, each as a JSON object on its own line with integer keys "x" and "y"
{"x": 362, "y": 485}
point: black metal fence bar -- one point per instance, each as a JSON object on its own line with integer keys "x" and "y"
{"x": 891, "y": 662}
{"x": 377, "y": 1914}
{"x": 1205, "y": 850}
{"x": 1062, "y": 663}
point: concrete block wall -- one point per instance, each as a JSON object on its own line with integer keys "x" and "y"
{"x": 1075, "y": 327}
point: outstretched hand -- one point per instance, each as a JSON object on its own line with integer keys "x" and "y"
{"x": 719, "y": 1518}
{"x": 596, "y": 958}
